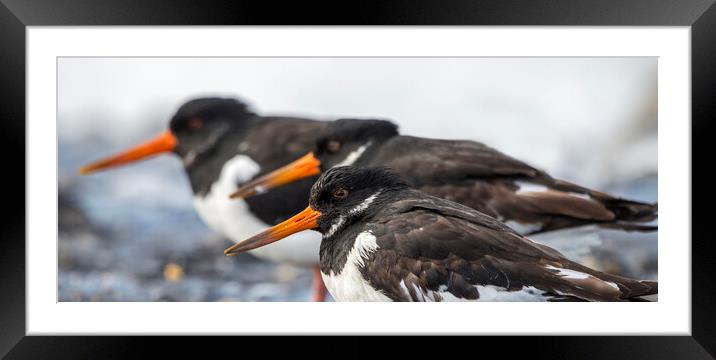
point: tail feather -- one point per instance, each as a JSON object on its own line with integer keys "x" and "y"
{"x": 624, "y": 210}
{"x": 631, "y": 289}
{"x": 629, "y": 210}
{"x": 638, "y": 289}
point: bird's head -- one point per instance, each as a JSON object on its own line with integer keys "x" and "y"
{"x": 340, "y": 197}
{"x": 341, "y": 143}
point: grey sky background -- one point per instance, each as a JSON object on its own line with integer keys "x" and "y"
{"x": 587, "y": 119}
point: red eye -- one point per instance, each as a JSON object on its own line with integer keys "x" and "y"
{"x": 195, "y": 123}
{"x": 340, "y": 193}
{"x": 334, "y": 145}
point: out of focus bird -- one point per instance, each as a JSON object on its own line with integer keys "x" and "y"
{"x": 468, "y": 172}
{"x": 385, "y": 241}
{"x": 222, "y": 144}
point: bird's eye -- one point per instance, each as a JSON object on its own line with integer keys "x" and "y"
{"x": 333, "y": 146}
{"x": 195, "y": 123}
{"x": 340, "y": 193}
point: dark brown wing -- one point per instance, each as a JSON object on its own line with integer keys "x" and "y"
{"x": 430, "y": 162}
{"x": 430, "y": 247}
{"x": 485, "y": 179}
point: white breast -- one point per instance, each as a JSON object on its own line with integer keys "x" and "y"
{"x": 232, "y": 218}
{"x": 349, "y": 284}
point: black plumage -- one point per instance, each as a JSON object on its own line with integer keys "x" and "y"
{"x": 429, "y": 248}
{"x": 478, "y": 176}
{"x": 211, "y": 134}
{"x": 208, "y": 132}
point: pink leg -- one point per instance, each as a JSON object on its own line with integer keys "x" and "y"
{"x": 319, "y": 288}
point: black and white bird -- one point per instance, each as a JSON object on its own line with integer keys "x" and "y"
{"x": 468, "y": 172}
{"x": 223, "y": 144}
{"x": 385, "y": 241}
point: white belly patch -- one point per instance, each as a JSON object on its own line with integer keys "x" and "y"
{"x": 350, "y": 285}
{"x": 232, "y": 218}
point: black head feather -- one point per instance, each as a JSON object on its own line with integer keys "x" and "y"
{"x": 347, "y": 193}
{"x": 200, "y": 123}
{"x": 344, "y": 136}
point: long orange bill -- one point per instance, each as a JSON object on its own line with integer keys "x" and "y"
{"x": 165, "y": 142}
{"x": 304, "y": 167}
{"x": 305, "y": 220}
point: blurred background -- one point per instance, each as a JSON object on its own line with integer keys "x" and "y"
{"x": 131, "y": 234}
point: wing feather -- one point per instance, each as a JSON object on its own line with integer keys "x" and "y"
{"x": 436, "y": 247}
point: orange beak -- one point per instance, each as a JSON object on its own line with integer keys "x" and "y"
{"x": 305, "y": 220}
{"x": 304, "y": 167}
{"x": 165, "y": 142}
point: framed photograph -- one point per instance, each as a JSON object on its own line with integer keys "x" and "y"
{"x": 264, "y": 175}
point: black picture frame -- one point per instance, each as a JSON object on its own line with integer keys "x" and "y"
{"x": 16, "y": 15}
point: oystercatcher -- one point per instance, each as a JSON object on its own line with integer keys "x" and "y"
{"x": 222, "y": 143}
{"x": 385, "y": 241}
{"x": 467, "y": 172}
